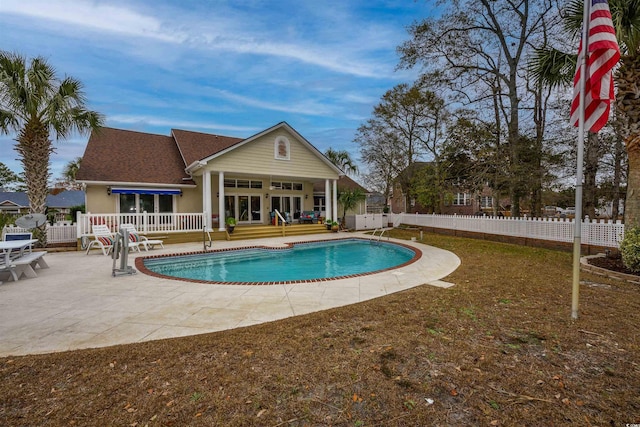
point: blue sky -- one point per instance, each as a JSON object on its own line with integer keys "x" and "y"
{"x": 232, "y": 68}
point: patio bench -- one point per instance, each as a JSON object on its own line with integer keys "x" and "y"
{"x": 26, "y": 265}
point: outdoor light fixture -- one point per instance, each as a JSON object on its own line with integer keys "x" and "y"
{"x": 108, "y": 191}
{"x": 266, "y": 196}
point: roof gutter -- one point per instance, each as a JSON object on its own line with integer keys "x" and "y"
{"x": 195, "y": 166}
{"x": 136, "y": 184}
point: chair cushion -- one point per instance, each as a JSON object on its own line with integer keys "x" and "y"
{"x": 107, "y": 241}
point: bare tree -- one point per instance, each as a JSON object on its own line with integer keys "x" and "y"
{"x": 475, "y": 42}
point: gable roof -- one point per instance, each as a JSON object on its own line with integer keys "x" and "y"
{"x": 14, "y": 198}
{"x": 116, "y": 155}
{"x": 283, "y": 125}
{"x": 194, "y": 146}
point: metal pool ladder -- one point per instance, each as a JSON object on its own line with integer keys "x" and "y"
{"x": 382, "y": 231}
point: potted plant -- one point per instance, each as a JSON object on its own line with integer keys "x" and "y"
{"x": 335, "y": 227}
{"x": 328, "y": 223}
{"x": 231, "y": 223}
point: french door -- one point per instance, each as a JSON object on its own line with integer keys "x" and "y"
{"x": 290, "y": 205}
{"x": 246, "y": 209}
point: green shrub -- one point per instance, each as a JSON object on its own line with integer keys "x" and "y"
{"x": 74, "y": 211}
{"x": 630, "y": 249}
{"x": 6, "y": 219}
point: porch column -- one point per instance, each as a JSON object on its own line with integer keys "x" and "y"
{"x": 206, "y": 198}
{"x": 221, "y": 218}
{"x": 334, "y": 199}
{"x": 327, "y": 199}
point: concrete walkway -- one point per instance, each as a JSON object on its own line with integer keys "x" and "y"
{"x": 76, "y": 303}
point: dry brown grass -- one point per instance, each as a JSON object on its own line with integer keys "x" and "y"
{"x": 499, "y": 348}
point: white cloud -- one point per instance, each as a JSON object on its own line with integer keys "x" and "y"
{"x": 99, "y": 17}
{"x": 145, "y": 121}
{"x": 308, "y": 108}
{"x": 219, "y": 32}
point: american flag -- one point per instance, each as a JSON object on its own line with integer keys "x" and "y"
{"x": 603, "y": 54}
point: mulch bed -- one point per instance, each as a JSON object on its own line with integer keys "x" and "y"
{"x": 613, "y": 264}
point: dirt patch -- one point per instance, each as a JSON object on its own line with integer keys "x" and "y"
{"x": 497, "y": 349}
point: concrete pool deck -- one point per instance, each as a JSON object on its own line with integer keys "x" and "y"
{"x": 76, "y": 303}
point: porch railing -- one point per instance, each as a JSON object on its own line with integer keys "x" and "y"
{"x": 144, "y": 222}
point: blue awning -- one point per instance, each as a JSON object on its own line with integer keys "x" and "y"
{"x": 161, "y": 191}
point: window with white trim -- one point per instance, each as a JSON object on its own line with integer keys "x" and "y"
{"x": 462, "y": 199}
{"x": 486, "y": 202}
{"x": 281, "y": 148}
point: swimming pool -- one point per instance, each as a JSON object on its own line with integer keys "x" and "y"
{"x": 299, "y": 262}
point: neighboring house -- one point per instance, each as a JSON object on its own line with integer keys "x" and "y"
{"x": 457, "y": 200}
{"x": 60, "y": 203}
{"x": 126, "y": 171}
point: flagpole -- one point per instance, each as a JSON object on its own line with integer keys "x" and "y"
{"x": 577, "y": 236}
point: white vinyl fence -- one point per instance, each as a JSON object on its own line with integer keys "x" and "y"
{"x": 594, "y": 232}
{"x": 55, "y": 233}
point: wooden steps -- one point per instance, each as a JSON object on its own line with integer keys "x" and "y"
{"x": 242, "y": 232}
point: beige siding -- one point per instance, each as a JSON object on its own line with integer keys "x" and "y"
{"x": 98, "y": 201}
{"x": 257, "y": 158}
{"x": 191, "y": 200}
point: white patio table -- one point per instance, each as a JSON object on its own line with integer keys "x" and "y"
{"x": 13, "y": 250}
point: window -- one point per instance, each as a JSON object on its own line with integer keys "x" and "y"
{"x": 276, "y": 185}
{"x": 486, "y": 202}
{"x": 282, "y": 148}
{"x": 241, "y": 183}
{"x": 461, "y": 199}
{"x": 150, "y": 203}
{"x": 318, "y": 203}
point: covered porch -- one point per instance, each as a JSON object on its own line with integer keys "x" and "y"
{"x": 254, "y": 199}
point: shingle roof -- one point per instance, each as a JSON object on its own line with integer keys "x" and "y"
{"x": 117, "y": 155}
{"x": 14, "y": 197}
{"x": 196, "y": 146}
{"x": 64, "y": 199}
{"x": 343, "y": 182}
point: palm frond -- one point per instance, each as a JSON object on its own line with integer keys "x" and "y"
{"x": 552, "y": 67}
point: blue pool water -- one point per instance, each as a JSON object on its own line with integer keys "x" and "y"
{"x": 303, "y": 261}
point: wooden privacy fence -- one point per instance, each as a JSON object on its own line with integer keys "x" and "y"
{"x": 594, "y": 232}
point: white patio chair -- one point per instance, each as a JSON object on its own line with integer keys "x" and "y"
{"x": 139, "y": 239}
{"x": 104, "y": 239}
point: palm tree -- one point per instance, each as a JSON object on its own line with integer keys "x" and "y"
{"x": 342, "y": 159}
{"x": 35, "y": 104}
{"x": 556, "y": 68}
{"x": 69, "y": 173}
{"x": 349, "y": 199}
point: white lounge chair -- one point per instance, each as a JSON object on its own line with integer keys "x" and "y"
{"x": 104, "y": 239}
{"x": 139, "y": 239}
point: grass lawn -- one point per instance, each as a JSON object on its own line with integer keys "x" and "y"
{"x": 497, "y": 349}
